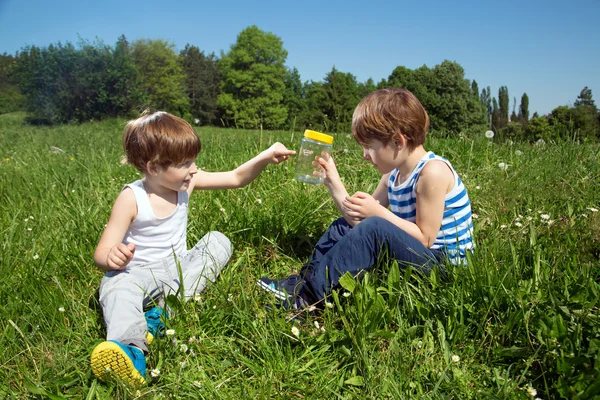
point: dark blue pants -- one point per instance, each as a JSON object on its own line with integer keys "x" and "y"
{"x": 343, "y": 248}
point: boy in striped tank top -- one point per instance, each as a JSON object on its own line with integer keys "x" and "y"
{"x": 419, "y": 214}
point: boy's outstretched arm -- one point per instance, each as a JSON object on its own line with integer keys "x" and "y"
{"x": 334, "y": 184}
{"x": 245, "y": 173}
{"x": 111, "y": 253}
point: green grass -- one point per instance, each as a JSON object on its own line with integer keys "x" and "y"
{"x": 523, "y": 314}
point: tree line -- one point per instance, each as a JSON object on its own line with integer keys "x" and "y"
{"x": 250, "y": 87}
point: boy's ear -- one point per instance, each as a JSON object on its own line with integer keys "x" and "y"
{"x": 151, "y": 168}
{"x": 400, "y": 141}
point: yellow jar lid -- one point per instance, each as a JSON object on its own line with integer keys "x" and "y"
{"x": 321, "y": 137}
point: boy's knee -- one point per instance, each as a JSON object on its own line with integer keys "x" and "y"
{"x": 218, "y": 245}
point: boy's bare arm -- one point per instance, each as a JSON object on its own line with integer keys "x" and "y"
{"x": 435, "y": 181}
{"x": 110, "y": 253}
{"x": 244, "y": 174}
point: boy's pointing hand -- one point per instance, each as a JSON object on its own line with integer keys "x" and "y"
{"x": 278, "y": 153}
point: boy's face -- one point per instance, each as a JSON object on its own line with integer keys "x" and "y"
{"x": 177, "y": 177}
{"x": 383, "y": 157}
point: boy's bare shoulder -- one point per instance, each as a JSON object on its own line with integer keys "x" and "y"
{"x": 438, "y": 173}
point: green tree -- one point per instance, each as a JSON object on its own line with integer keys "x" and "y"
{"x": 11, "y": 98}
{"x": 254, "y": 81}
{"x": 162, "y": 77}
{"x": 503, "y": 107}
{"x": 524, "y": 109}
{"x": 454, "y": 107}
{"x": 364, "y": 88}
{"x": 445, "y": 93}
{"x": 585, "y": 115}
{"x": 486, "y": 100}
{"x": 202, "y": 83}
{"x": 293, "y": 98}
{"x": 475, "y": 88}
{"x": 341, "y": 97}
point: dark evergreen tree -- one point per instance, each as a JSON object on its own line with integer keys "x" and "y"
{"x": 524, "y": 109}
{"x": 503, "y": 107}
{"x": 475, "y": 88}
{"x": 202, "y": 83}
{"x": 293, "y": 98}
{"x": 341, "y": 97}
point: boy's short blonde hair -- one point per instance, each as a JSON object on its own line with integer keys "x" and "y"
{"x": 161, "y": 139}
{"x": 387, "y": 114}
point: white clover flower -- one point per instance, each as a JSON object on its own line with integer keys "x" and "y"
{"x": 192, "y": 339}
{"x": 31, "y": 217}
{"x": 531, "y": 391}
{"x": 328, "y": 304}
{"x": 29, "y": 229}
{"x": 317, "y": 324}
{"x": 222, "y": 209}
{"x": 518, "y": 153}
{"x": 183, "y": 348}
{"x": 61, "y": 309}
{"x": 259, "y": 201}
{"x": 35, "y": 256}
{"x": 455, "y": 358}
{"x": 502, "y": 226}
{"x": 518, "y": 224}
{"x": 474, "y": 216}
{"x": 419, "y": 344}
{"x": 26, "y": 219}
{"x": 170, "y": 332}
{"x": 477, "y": 187}
{"x": 198, "y": 384}
{"x": 295, "y": 331}
{"x": 346, "y": 294}
{"x": 230, "y": 297}
{"x": 155, "y": 372}
{"x": 73, "y": 191}
{"x": 544, "y": 216}
{"x": 489, "y": 134}
{"x": 503, "y": 166}
{"x": 592, "y": 209}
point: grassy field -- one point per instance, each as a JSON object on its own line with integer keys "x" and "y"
{"x": 523, "y": 317}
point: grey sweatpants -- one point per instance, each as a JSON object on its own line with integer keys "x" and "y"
{"x": 124, "y": 294}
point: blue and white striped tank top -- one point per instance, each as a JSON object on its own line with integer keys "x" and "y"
{"x": 455, "y": 237}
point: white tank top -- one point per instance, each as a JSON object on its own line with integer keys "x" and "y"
{"x": 156, "y": 238}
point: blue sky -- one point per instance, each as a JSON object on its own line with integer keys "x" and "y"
{"x": 547, "y": 49}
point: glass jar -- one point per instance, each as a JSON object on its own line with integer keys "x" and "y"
{"x": 313, "y": 144}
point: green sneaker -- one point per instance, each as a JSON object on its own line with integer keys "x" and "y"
{"x": 124, "y": 361}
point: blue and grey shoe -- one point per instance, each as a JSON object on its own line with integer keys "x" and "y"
{"x": 155, "y": 322}
{"x": 287, "y": 291}
{"x": 126, "y": 362}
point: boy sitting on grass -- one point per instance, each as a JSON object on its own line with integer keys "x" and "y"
{"x": 145, "y": 237}
{"x": 419, "y": 214}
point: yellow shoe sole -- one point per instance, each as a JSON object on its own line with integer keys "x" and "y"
{"x": 109, "y": 359}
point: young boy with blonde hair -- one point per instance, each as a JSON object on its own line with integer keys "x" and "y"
{"x": 419, "y": 214}
{"x": 145, "y": 238}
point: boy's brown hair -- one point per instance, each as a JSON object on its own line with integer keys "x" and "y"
{"x": 161, "y": 139}
{"x": 387, "y": 114}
